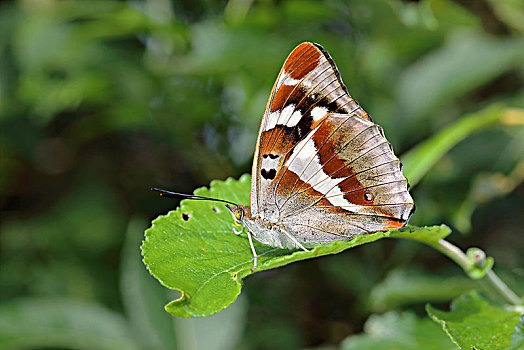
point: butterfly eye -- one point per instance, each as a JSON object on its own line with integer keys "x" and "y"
{"x": 368, "y": 196}
{"x": 238, "y": 214}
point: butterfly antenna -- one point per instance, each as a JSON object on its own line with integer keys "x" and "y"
{"x": 170, "y": 194}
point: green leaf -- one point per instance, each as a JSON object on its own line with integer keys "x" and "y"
{"x": 61, "y": 323}
{"x": 393, "y": 331}
{"x": 419, "y": 160}
{"x": 193, "y": 250}
{"x": 475, "y": 323}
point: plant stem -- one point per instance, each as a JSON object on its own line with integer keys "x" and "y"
{"x": 454, "y": 253}
{"x": 501, "y": 287}
{"x": 490, "y": 279}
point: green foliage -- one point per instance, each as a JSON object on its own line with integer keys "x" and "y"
{"x": 517, "y": 341}
{"x": 392, "y": 293}
{"x": 419, "y": 160}
{"x": 193, "y": 250}
{"x": 143, "y": 300}
{"x": 61, "y": 323}
{"x": 221, "y": 331}
{"x": 474, "y": 323}
{"x": 101, "y": 100}
{"x": 393, "y": 331}
{"x": 484, "y": 58}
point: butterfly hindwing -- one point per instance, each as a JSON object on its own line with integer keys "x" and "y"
{"x": 307, "y": 89}
{"x": 342, "y": 179}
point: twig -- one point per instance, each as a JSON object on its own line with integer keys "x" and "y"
{"x": 475, "y": 265}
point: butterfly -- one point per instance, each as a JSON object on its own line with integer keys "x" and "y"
{"x": 322, "y": 170}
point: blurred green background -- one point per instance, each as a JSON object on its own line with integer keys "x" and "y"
{"x": 101, "y": 100}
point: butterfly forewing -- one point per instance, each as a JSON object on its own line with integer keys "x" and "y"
{"x": 322, "y": 169}
{"x": 307, "y": 89}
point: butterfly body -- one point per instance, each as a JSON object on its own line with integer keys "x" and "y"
{"x": 322, "y": 170}
{"x": 267, "y": 232}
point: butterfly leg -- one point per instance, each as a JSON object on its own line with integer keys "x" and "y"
{"x": 239, "y": 231}
{"x": 291, "y": 237}
{"x": 255, "y": 256}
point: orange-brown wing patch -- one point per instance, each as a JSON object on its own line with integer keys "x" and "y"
{"x": 302, "y": 60}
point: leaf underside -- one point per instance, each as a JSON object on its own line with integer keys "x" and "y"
{"x": 193, "y": 250}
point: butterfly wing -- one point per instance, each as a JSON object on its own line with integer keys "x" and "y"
{"x": 341, "y": 180}
{"x": 307, "y": 89}
{"x": 322, "y": 168}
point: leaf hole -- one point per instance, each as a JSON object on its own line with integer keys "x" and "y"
{"x": 186, "y": 216}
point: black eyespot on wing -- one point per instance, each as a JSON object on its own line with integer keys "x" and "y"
{"x": 268, "y": 175}
{"x": 270, "y": 155}
{"x": 368, "y": 196}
